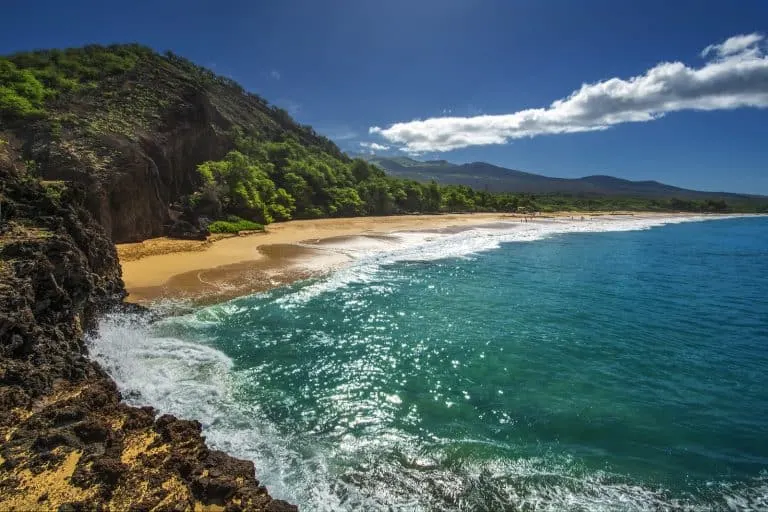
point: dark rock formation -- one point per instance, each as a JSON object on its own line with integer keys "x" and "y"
{"x": 134, "y": 139}
{"x": 187, "y": 231}
{"x": 68, "y": 442}
{"x": 131, "y": 180}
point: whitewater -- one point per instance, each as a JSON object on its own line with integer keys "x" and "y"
{"x": 437, "y": 370}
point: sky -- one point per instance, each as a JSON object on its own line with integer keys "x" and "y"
{"x": 654, "y": 90}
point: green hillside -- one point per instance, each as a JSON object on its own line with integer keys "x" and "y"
{"x": 163, "y": 146}
{"x": 156, "y": 138}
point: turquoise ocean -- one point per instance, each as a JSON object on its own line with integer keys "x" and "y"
{"x": 557, "y": 365}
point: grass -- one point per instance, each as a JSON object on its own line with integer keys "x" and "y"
{"x": 234, "y": 225}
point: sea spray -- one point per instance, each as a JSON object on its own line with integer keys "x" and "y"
{"x": 580, "y": 372}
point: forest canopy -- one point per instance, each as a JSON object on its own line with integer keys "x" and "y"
{"x": 266, "y": 181}
{"x": 276, "y": 169}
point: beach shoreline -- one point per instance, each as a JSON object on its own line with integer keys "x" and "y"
{"x": 222, "y": 268}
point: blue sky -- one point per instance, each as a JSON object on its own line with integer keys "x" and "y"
{"x": 345, "y": 66}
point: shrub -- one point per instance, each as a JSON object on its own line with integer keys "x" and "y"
{"x": 21, "y": 94}
{"x": 54, "y": 189}
{"x": 234, "y": 224}
{"x": 314, "y": 213}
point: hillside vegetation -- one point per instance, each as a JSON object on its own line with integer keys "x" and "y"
{"x": 165, "y": 146}
{"x": 69, "y": 442}
{"x": 157, "y": 138}
{"x": 591, "y": 192}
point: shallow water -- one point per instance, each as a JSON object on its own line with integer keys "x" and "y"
{"x": 600, "y": 365}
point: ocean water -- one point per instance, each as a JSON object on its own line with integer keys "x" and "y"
{"x": 595, "y": 365}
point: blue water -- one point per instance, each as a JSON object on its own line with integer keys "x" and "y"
{"x": 580, "y": 371}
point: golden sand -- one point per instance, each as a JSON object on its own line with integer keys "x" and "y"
{"x": 228, "y": 266}
{"x": 232, "y": 266}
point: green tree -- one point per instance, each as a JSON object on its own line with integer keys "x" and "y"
{"x": 21, "y": 94}
{"x": 433, "y": 197}
{"x": 377, "y": 197}
{"x": 299, "y": 189}
{"x": 282, "y": 206}
{"x": 414, "y": 197}
{"x": 248, "y": 191}
{"x": 361, "y": 170}
{"x": 458, "y": 199}
{"x": 345, "y": 202}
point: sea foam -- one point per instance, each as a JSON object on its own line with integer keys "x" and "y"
{"x": 369, "y": 254}
{"x": 191, "y": 379}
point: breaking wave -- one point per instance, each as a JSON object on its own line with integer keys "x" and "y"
{"x": 347, "y": 452}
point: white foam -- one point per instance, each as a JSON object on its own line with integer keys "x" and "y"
{"x": 194, "y": 380}
{"x": 178, "y": 376}
{"x": 369, "y": 254}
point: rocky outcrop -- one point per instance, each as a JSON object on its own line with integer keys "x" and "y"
{"x": 134, "y": 139}
{"x": 68, "y": 442}
{"x": 132, "y": 178}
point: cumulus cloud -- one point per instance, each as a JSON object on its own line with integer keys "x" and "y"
{"x": 275, "y": 74}
{"x": 733, "y": 45}
{"x": 734, "y": 76}
{"x": 372, "y": 147}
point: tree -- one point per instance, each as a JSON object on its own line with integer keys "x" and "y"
{"x": 299, "y": 189}
{"x": 433, "y": 197}
{"x": 344, "y": 202}
{"x": 248, "y": 190}
{"x": 361, "y": 171}
{"x": 377, "y": 197}
{"x": 21, "y": 94}
{"x": 283, "y": 205}
{"x": 414, "y": 197}
{"x": 458, "y": 198}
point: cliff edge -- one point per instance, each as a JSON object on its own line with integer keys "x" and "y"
{"x": 131, "y": 126}
{"x": 68, "y": 442}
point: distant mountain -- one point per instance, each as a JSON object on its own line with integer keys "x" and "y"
{"x": 485, "y": 176}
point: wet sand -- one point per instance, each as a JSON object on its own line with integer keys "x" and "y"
{"x": 276, "y": 265}
{"x": 226, "y": 267}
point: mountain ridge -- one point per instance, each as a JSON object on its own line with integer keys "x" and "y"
{"x": 494, "y": 178}
{"x": 131, "y": 125}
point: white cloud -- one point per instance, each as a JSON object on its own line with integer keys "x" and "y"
{"x": 733, "y": 45}
{"x": 372, "y": 147}
{"x": 275, "y": 74}
{"x": 736, "y": 77}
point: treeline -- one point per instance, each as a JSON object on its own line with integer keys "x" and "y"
{"x": 279, "y": 169}
{"x": 265, "y": 181}
{"x": 561, "y": 202}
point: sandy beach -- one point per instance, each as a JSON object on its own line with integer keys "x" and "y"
{"x": 226, "y": 267}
